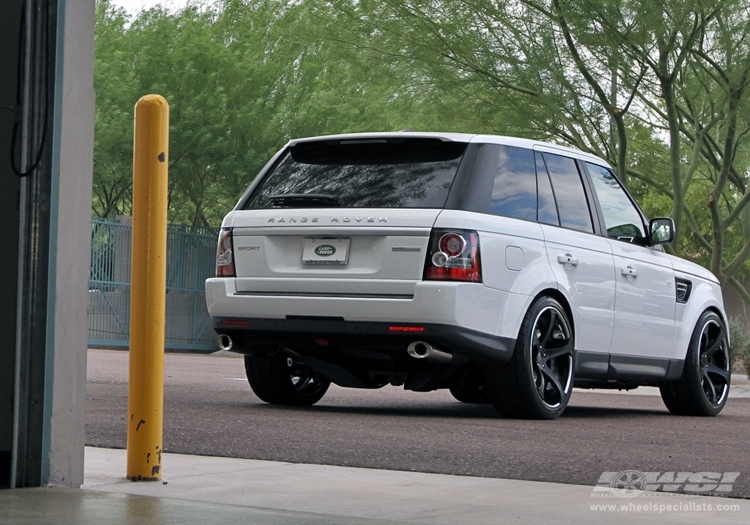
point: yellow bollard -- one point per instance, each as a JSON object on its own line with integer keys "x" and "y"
{"x": 148, "y": 289}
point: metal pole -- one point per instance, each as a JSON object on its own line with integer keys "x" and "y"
{"x": 148, "y": 289}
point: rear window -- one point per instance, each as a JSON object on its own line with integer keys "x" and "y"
{"x": 403, "y": 173}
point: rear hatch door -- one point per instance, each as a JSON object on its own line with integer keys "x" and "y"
{"x": 344, "y": 209}
{"x": 329, "y": 244}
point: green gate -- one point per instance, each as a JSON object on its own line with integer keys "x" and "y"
{"x": 191, "y": 259}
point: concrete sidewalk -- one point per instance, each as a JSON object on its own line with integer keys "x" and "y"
{"x": 226, "y": 491}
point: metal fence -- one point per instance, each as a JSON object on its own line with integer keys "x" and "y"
{"x": 191, "y": 259}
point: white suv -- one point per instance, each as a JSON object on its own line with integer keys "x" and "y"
{"x": 504, "y": 269}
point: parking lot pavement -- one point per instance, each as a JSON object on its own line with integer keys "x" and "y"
{"x": 740, "y": 384}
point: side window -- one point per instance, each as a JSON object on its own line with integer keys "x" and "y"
{"x": 545, "y": 199}
{"x": 569, "y": 194}
{"x": 514, "y": 188}
{"x": 620, "y": 215}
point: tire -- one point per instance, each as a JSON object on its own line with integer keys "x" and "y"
{"x": 281, "y": 380}
{"x": 703, "y": 388}
{"x": 470, "y": 394}
{"x": 468, "y": 385}
{"x": 538, "y": 380}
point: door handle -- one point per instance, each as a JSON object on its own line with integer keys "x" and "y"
{"x": 567, "y": 259}
{"x": 629, "y": 272}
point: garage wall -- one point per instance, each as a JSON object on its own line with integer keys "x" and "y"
{"x": 42, "y": 436}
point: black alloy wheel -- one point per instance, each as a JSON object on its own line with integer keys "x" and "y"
{"x": 282, "y": 380}
{"x": 703, "y": 388}
{"x": 538, "y": 380}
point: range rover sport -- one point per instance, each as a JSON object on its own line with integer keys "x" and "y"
{"x": 506, "y": 270}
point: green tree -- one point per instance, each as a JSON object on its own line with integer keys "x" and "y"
{"x": 115, "y": 96}
{"x": 242, "y": 77}
{"x": 658, "y": 88}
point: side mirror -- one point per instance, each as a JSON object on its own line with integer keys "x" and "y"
{"x": 661, "y": 230}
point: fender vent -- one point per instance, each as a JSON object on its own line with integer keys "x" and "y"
{"x": 683, "y": 289}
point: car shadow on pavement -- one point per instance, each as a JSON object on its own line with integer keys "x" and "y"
{"x": 462, "y": 410}
{"x": 589, "y": 412}
{"x": 428, "y": 411}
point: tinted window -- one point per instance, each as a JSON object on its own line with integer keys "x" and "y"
{"x": 514, "y": 189}
{"x": 405, "y": 173}
{"x": 569, "y": 194}
{"x": 620, "y": 215}
{"x": 546, "y": 199}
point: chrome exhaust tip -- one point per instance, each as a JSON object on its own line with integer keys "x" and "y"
{"x": 224, "y": 342}
{"x": 419, "y": 349}
{"x": 424, "y": 350}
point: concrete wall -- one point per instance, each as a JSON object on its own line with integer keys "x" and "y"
{"x": 70, "y": 240}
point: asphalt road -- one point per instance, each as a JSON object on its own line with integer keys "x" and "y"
{"x": 210, "y": 410}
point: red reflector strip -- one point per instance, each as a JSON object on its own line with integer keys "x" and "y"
{"x": 454, "y": 274}
{"x": 406, "y": 328}
{"x": 232, "y": 322}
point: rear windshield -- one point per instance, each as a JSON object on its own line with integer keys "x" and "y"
{"x": 403, "y": 173}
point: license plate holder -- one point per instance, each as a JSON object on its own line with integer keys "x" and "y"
{"x": 324, "y": 251}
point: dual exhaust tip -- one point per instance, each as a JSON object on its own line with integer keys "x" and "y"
{"x": 224, "y": 342}
{"x": 417, "y": 350}
{"x": 424, "y": 350}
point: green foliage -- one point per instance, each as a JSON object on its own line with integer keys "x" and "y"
{"x": 659, "y": 89}
{"x": 116, "y": 95}
{"x": 242, "y": 77}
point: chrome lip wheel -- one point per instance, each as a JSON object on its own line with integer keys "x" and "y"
{"x": 551, "y": 357}
{"x": 714, "y": 363}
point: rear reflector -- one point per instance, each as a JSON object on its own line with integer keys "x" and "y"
{"x": 233, "y": 322}
{"x": 395, "y": 328}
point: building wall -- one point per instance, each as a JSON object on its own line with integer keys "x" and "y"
{"x": 70, "y": 240}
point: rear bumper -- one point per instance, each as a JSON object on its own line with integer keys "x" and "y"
{"x": 468, "y": 319}
{"x": 467, "y": 305}
{"x": 322, "y": 332}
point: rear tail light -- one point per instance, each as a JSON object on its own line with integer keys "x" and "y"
{"x": 452, "y": 244}
{"x": 225, "y": 255}
{"x": 453, "y": 255}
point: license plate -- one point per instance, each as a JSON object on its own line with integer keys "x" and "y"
{"x": 325, "y": 251}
